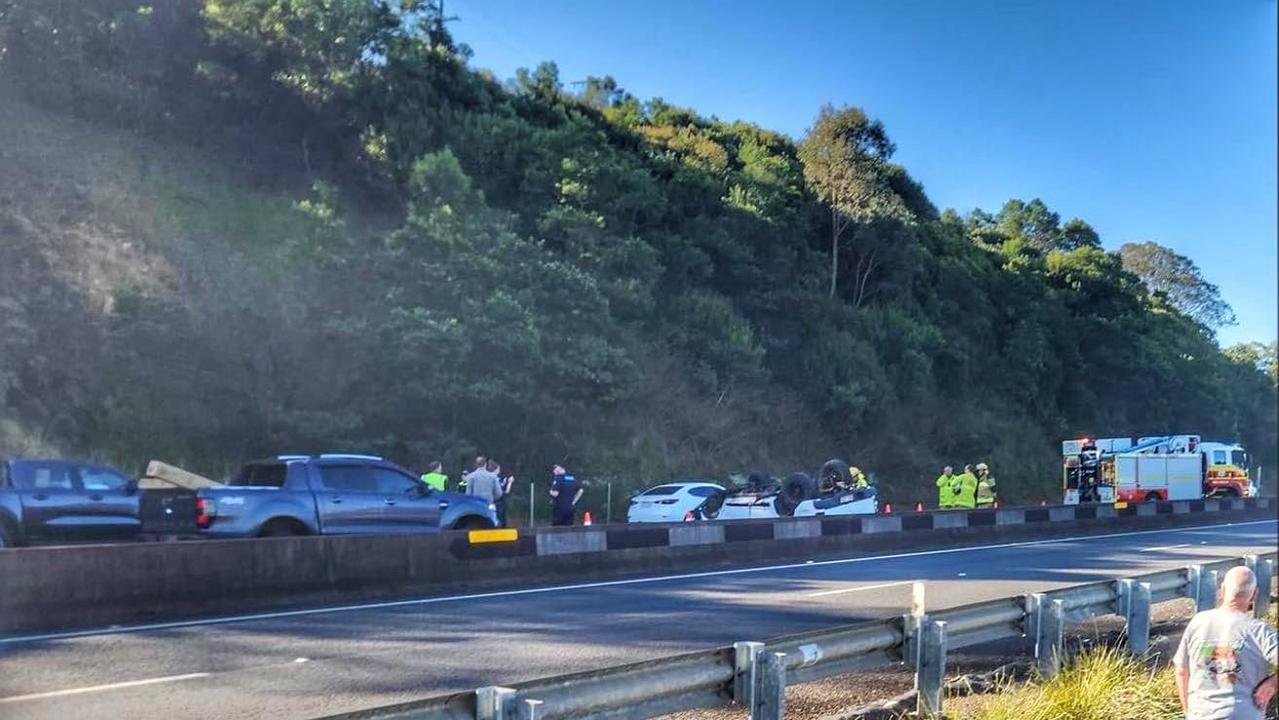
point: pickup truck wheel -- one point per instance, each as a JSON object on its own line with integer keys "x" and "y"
{"x": 282, "y": 528}
{"x": 472, "y": 523}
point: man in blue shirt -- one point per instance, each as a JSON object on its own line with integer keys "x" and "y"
{"x": 565, "y": 492}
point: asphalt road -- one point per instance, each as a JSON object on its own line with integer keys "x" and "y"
{"x": 306, "y": 665}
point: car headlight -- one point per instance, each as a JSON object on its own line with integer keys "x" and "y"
{"x": 492, "y": 507}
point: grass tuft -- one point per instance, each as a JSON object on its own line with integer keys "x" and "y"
{"x": 1103, "y": 684}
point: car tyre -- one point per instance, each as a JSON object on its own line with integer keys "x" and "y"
{"x": 796, "y": 488}
{"x": 472, "y": 523}
{"x": 710, "y": 509}
{"x": 281, "y": 528}
{"x": 834, "y": 474}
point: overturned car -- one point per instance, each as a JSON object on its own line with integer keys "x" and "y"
{"x": 832, "y": 492}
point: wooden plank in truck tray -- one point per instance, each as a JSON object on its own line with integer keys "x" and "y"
{"x": 161, "y": 475}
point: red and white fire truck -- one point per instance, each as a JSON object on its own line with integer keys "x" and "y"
{"x": 1165, "y": 467}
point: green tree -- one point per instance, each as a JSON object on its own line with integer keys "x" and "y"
{"x": 1165, "y": 271}
{"x": 845, "y": 156}
{"x": 1262, "y": 356}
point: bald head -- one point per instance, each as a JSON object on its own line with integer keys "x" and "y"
{"x": 1238, "y": 586}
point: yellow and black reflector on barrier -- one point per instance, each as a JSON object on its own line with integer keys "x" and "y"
{"x": 491, "y": 536}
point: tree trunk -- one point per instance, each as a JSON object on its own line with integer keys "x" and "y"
{"x": 834, "y": 250}
{"x": 862, "y": 278}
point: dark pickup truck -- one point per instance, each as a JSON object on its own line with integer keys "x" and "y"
{"x": 331, "y": 494}
{"x": 61, "y": 500}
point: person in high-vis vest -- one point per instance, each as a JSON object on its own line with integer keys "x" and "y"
{"x": 857, "y": 478}
{"x": 985, "y": 486}
{"x": 945, "y": 481}
{"x": 966, "y": 495}
{"x": 435, "y": 477}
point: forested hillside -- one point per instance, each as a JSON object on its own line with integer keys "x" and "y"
{"x": 233, "y": 228}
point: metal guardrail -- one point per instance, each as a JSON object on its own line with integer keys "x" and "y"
{"x": 754, "y": 674}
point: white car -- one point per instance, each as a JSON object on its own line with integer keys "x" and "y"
{"x": 671, "y": 502}
{"x": 799, "y": 495}
{"x": 765, "y": 505}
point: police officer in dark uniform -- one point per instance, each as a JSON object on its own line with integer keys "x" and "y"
{"x": 565, "y": 492}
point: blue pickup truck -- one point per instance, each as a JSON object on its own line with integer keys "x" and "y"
{"x": 63, "y": 500}
{"x": 332, "y": 494}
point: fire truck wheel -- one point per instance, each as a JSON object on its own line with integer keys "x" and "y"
{"x": 1152, "y": 497}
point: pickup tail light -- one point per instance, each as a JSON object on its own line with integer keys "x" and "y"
{"x": 205, "y": 511}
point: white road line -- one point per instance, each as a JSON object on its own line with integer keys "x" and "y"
{"x": 116, "y": 630}
{"x": 101, "y": 688}
{"x": 1165, "y": 547}
{"x": 859, "y": 589}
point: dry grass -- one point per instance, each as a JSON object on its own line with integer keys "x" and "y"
{"x": 1105, "y": 684}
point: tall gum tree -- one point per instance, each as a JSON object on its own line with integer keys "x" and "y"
{"x": 846, "y": 162}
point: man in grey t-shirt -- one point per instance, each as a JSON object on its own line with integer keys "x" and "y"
{"x": 484, "y": 482}
{"x": 1226, "y": 660}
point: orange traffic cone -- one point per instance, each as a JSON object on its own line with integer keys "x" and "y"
{"x": 888, "y": 508}
{"x": 919, "y": 507}
{"x": 586, "y": 518}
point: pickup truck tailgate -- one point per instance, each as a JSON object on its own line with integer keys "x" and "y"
{"x": 168, "y": 512}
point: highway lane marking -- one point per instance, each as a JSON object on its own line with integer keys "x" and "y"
{"x": 117, "y": 630}
{"x": 101, "y": 688}
{"x": 1165, "y": 547}
{"x": 841, "y": 591}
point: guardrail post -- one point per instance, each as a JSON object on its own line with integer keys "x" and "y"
{"x": 930, "y": 667}
{"x": 1049, "y": 624}
{"x": 1263, "y": 569}
{"x": 494, "y": 703}
{"x": 529, "y": 710}
{"x": 769, "y": 702}
{"x": 1135, "y": 601}
{"x": 745, "y": 659}
{"x": 1203, "y": 587}
{"x": 911, "y": 624}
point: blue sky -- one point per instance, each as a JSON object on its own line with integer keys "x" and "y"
{"x": 1152, "y": 120}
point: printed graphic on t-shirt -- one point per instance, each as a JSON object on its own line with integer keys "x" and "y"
{"x": 1221, "y": 662}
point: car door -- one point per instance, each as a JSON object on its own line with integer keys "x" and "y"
{"x": 51, "y": 498}
{"x": 349, "y": 499}
{"x": 408, "y": 505}
{"x": 111, "y": 504}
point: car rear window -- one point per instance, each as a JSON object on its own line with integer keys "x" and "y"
{"x": 261, "y": 475}
{"x": 662, "y": 490}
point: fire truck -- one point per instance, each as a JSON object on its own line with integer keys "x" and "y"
{"x": 1165, "y": 467}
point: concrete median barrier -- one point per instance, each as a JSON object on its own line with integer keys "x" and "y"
{"x": 52, "y": 589}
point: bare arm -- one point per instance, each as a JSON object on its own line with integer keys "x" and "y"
{"x": 1264, "y": 692}
{"x": 1183, "y": 683}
